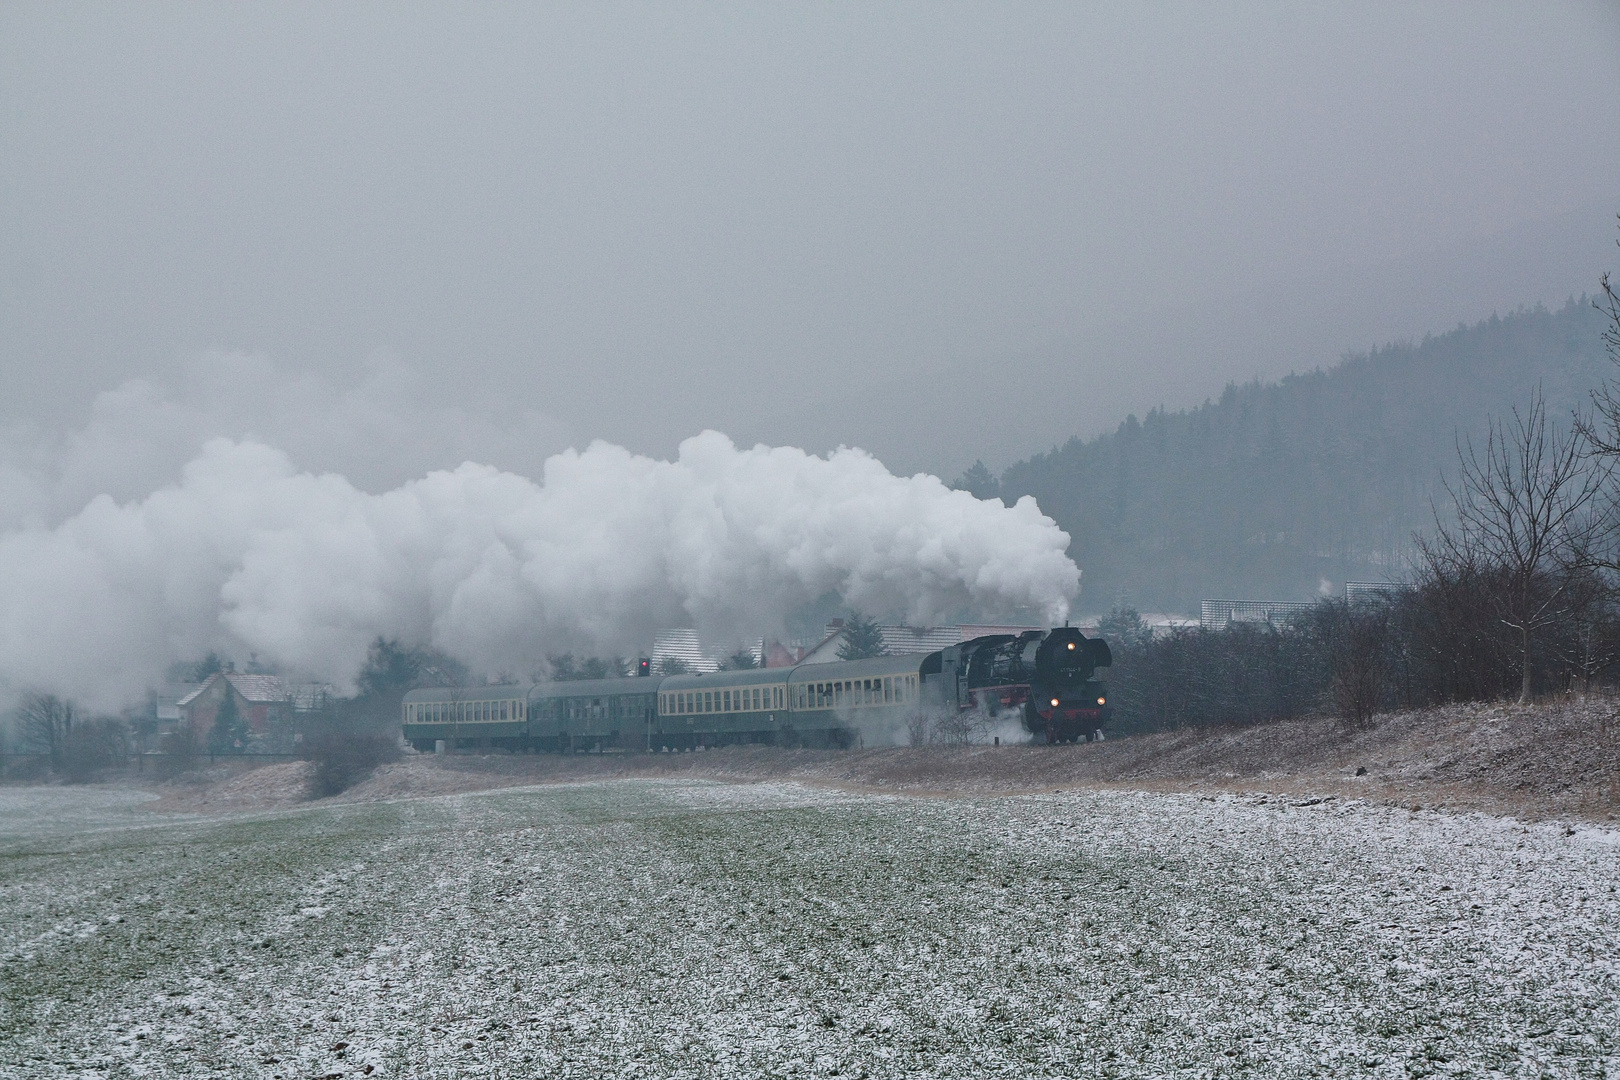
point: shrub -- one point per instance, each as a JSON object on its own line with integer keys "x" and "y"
{"x": 93, "y": 745}
{"x": 179, "y": 752}
{"x": 344, "y": 758}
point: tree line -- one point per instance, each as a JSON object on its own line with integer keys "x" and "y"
{"x": 1272, "y": 486}
{"x": 1515, "y": 593}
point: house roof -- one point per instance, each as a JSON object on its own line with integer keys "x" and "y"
{"x": 906, "y": 640}
{"x": 260, "y": 689}
{"x": 682, "y": 644}
{"x": 255, "y": 689}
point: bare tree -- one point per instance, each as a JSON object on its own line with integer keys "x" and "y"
{"x": 1606, "y": 398}
{"x": 1357, "y": 641}
{"x": 1523, "y": 519}
{"x": 47, "y": 721}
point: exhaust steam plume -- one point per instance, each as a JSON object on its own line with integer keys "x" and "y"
{"x": 247, "y": 553}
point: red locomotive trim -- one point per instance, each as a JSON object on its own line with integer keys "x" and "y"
{"x": 1005, "y": 697}
{"x": 1069, "y": 714}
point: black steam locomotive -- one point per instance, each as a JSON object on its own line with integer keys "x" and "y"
{"x": 1049, "y": 677}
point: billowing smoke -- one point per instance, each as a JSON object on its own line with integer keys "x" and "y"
{"x": 247, "y": 554}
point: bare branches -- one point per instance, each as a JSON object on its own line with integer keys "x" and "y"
{"x": 46, "y": 722}
{"x": 1524, "y": 518}
{"x": 1605, "y": 440}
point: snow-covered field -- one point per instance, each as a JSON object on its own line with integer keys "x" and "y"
{"x": 660, "y": 928}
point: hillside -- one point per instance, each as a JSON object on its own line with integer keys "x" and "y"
{"x": 1279, "y": 490}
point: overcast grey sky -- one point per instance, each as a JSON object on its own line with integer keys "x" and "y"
{"x": 937, "y": 232}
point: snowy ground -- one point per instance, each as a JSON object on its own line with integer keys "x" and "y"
{"x": 669, "y": 928}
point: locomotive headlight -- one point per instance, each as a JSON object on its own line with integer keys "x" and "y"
{"x": 1071, "y": 646}
{"x": 1054, "y": 703}
{"x": 1102, "y": 701}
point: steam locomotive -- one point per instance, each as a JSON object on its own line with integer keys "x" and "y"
{"x": 1048, "y": 676}
{"x": 1046, "y": 680}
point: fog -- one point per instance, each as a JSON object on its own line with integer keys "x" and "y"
{"x": 851, "y": 225}
{"x": 364, "y": 244}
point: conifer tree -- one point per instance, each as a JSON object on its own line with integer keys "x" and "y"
{"x": 230, "y": 733}
{"x": 862, "y": 639}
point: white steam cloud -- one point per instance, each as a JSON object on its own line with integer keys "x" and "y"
{"x": 246, "y": 553}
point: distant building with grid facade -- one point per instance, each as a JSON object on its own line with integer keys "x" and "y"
{"x": 1218, "y": 614}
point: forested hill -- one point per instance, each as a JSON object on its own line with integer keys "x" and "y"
{"x": 1279, "y": 490}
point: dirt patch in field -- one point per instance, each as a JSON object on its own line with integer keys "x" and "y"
{"x": 1559, "y": 760}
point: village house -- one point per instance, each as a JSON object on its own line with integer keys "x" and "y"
{"x": 262, "y": 700}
